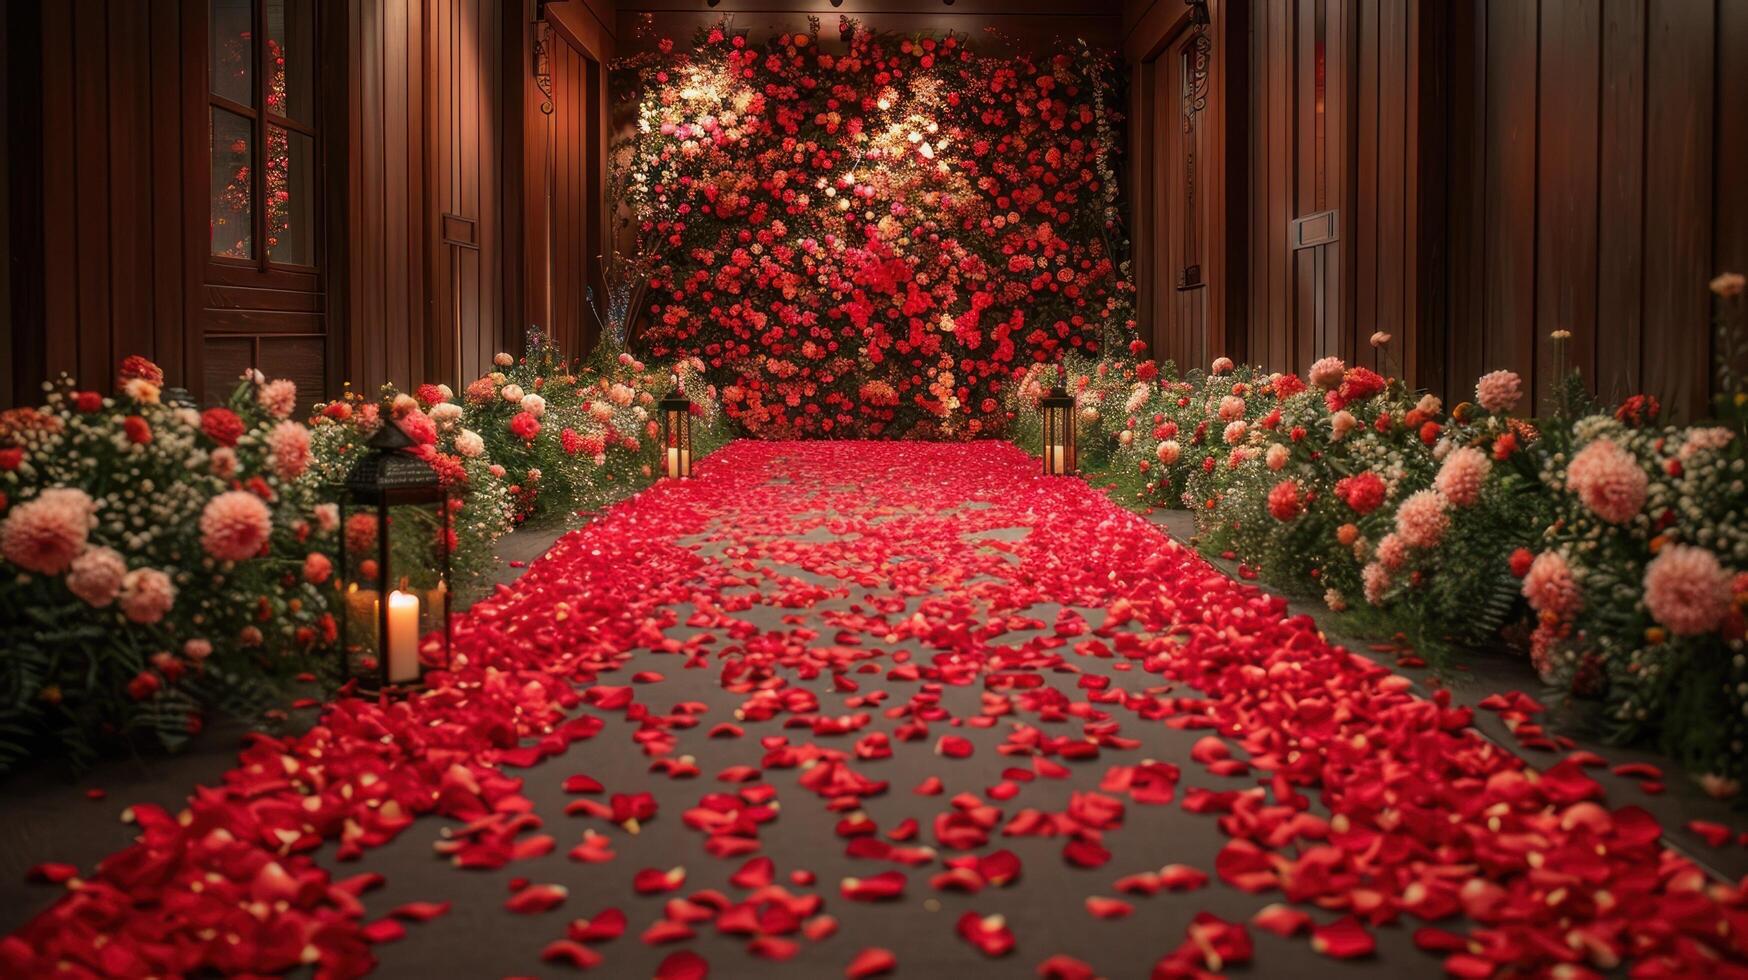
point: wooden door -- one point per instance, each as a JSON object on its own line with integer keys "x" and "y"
{"x": 264, "y": 287}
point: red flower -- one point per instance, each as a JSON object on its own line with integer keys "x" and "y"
{"x": 525, "y": 426}
{"x": 1288, "y": 385}
{"x": 11, "y": 458}
{"x": 1429, "y": 432}
{"x": 144, "y": 685}
{"x": 1521, "y": 560}
{"x": 1284, "y": 501}
{"x": 1504, "y": 447}
{"x": 1362, "y": 493}
{"x": 134, "y": 366}
{"x": 221, "y": 425}
{"x": 139, "y": 431}
{"x": 87, "y": 401}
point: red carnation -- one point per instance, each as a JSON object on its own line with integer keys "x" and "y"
{"x": 525, "y": 426}
{"x": 1284, "y": 501}
{"x": 1357, "y": 385}
{"x": 87, "y": 401}
{"x": 1504, "y": 447}
{"x": 1288, "y": 385}
{"x": 1429, "y": 432}
{"x": 1521, "y": 559}
{"x": 1362, "y": 493}
{"x": 339, "y": 411}
{"x": 430, "y": 395}
{"x": 1639, "y": 411}
{"x": 221, "y": 425}
{"x": 11, "y": 458}
{"x": 139, "y": 431}
{"x": 144, "y": 685}
{"x": 135, "y": 366}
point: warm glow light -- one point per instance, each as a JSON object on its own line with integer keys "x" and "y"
{"x": 403, "y": 637}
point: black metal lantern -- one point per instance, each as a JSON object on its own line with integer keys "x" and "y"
{"x": 676, "y": 411}
{"x": 1058, "y": 433}
{"x": 395, "y": 539}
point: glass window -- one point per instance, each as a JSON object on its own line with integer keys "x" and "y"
{"x": 233, "y": 50}
{"x": 232, "y": 215}
{"x": 290, "y": 196}
{"x": 290, "y": 68}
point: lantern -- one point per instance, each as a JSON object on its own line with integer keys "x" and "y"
{"x": 395, "y": 539}
{"x": 1058, "y": 433}
{"x": 676, "y": 411}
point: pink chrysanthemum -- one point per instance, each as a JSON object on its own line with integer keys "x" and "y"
{"x": 146, "y": 595}
{"x": 1392, "y": 552}
{"x": 1277, "y": 456}
{"x": 1327, "y": 372}
{"x": 1687, "y": 590}
{"x": 235, "y": 525}
{"x": 1235, "y": 432}
{"x": 1377, "y": 582}
{"x": 1284, "y": 502}
{"x": 1221, "y": 365}
{"x": 96, "y": 576}
{"x": 1550, "y": 587}
{"x": 317, "y": 568}
{"x": 46, "y": 533}
{"x": 1168, "y": 451}
{"x": 289, "y": 445}
{"x": 278, "y": 398}
{"x": 361, "y": 532}
{"x": 419, "y": 427}
{"x": 1499, "y": 391}
{"x": 1231, "y": 407}
{"x": 1609, "y": 480}
{"x": 1462, "y": 476}
{"x": 1422, "y": 519}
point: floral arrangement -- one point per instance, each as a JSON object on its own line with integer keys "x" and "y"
{"x": 872, "y": 237}
{"x": 576, "y": 437}
{"x": 159, "y": 560}
{"x": 1612, "y": 548}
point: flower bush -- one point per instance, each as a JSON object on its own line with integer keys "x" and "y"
{"x": 871, "y": 242}
{"x": 1613, "y": 549}
{"x": 165, "y": 562}
{"x": 159, "y": 561}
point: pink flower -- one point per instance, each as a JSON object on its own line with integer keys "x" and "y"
{"x": 278, "y": 398}
{"x": 1221, "y": 365}
{"x": 1231, "y": 407}
{"x": 1687, "y": 590}
{"x": 1463, "y": 474}
{"x": 317, "y": 568}
{"x": 235, "y": 525}
{"x": 1376, "y": 579}
{"x": 1168, "y": 451}
{"x": 1340, "y": 424}
{"x": 361, "y": 532}
{"x": 46, "y": 533}
{"x": 1499, "y": 391}
{"x": 146, "y": 595}
{"x": 197, "y": 649}
{"x": 1277, "y": 456}
{"x": 1550, "y": 587}
{"x": 1235, "y": 432}
{"x": 223, "y": 463}
{"x": 419, "y": 427}
{"x": 289, "y": 445}
{"x": 1609, "y": 480}
{"x": 96, "y": 576}
{"x": 1327, "y": 372}
{"x": 1392, "y": 551}
{"x": 1422, "y": 519}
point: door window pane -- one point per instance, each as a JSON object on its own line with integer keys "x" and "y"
{"x": 232, "y": 211}
{"x": 290, "y": 196}
{"x": 233, "y": 50}
{"x": 290, "y": 62}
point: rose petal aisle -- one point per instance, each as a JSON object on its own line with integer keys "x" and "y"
{"x": 857, "y": 708}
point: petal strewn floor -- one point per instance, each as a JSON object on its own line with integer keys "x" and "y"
{"x": 857, "y": 707}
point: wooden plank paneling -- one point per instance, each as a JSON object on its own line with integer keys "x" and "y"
{"x": 1678, "y": 225}
{"x": 1510, "y": 158}
{"x": 1568, "y": 159}
{"x": 1730, "y": 247}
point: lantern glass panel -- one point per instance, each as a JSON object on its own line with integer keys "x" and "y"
{"x": 676, "y": 437}
{"x": 396, "y": 591}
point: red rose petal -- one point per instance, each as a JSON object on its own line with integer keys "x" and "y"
{"x": 1343, "y": 939}
{"x": 871, "y": 962}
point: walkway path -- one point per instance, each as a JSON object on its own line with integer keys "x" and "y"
{"x": 833, "y": 701}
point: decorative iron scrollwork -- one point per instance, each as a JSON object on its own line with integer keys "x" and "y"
{"x": 543, "y": 63}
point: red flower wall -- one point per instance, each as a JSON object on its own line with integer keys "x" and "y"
{"x": 873, "y": 239}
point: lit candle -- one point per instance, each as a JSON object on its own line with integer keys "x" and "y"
{"x": 1056, "y": 451}
{"x": 403, "y": 637}
{"x": 673, "y": 460}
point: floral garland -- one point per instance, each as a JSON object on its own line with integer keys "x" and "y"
{"x": 873, "y": 239}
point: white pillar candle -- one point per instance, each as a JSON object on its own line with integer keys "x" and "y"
{"x": 1056, "y": 452}
{"x": 403, "y": 637}
{"x": 673, "y": 460}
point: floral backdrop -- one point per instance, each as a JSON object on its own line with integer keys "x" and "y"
{"x": 871, "y": 235}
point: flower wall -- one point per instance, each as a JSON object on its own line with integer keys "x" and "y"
{"x": 871, "y": 235}
{"x": 1608, "y": 548}
{"x": 163, "y": 563}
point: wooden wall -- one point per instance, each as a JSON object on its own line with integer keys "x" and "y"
{"x": 1187, "y": 131}
{"x": 1597, "y": 154}
{"x": 100, "y": 263}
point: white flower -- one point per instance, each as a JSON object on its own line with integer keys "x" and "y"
{"x": 512, "y": 393}
{"x": 503, "y": 360}
{"x": 534, "y": 405}
{"x": 469, "y": 444}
